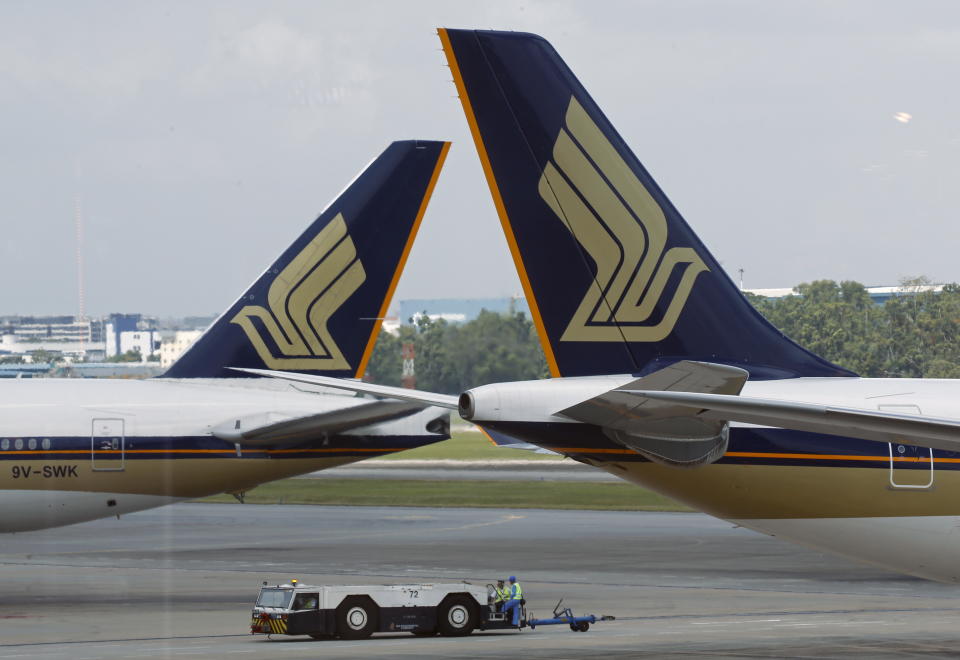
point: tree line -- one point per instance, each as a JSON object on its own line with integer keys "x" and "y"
{"x": 453, "y": 357}
{"x": 912, "y": 335}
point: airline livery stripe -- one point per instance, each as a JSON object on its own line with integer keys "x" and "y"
{"x": 838, "y": 457}
{"x": 498, "y": 203}
{"x": 758, "y": 454}
{"x": 361, "y": 450}
{"x": 368, "y": 351}
{"x": 117, "y": 452}
{"x": 231, "y": 452}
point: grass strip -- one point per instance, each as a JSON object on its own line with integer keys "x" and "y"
{"x": 473, "y": 494}
{"x": 467, "y": 446}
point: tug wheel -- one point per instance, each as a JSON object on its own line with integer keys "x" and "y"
{"x": 457, "y": 616}
{"x": 357, "y": 617}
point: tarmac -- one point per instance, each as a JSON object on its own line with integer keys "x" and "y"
{"x": 458, "y": 470}
{"x": 179, "y": 582}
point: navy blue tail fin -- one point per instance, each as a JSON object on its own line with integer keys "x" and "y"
{"x": 319, "y": 307}
{"x": 616, "y": 281}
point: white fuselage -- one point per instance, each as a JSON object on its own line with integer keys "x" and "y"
{"x": 74, "y": 450}
{"x": 893, "y": 505}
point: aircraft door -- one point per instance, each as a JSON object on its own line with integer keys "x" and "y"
{"x": 911, "y": 467}
{"x": 107, "y": 446}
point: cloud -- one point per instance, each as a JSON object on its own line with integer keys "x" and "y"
{"x": 267, "y": 50}
{"x": 31, "y": 67}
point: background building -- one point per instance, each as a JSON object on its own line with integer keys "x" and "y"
{"x": 175, "y": 344}
{"x": 65, "y": 337}
{"x": 879, "y": 294}
{"x": 132, "y": 333}
{"x": 459, "y": 310}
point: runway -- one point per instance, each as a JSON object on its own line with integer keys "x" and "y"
{"x": 179, "y": 582}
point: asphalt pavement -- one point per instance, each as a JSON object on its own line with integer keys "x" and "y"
{"x": 455, "y": 470}
{"x": 180, "y": 581}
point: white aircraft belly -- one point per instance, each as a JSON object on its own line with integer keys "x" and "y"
{"x": 27, "y": 510}
{"x": 925, "y": 546}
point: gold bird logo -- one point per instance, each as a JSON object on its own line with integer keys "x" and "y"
{"x": 301, "y": 300}
{"x": 599, "y": 199}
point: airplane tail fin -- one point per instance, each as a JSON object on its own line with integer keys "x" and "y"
{"x": 616, "y": 280}
{"x": 318, "y": 308}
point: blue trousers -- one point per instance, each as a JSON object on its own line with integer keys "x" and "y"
{"x": 515, "y": 606}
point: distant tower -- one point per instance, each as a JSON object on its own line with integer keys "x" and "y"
{"x": 408, "y": 377}
{"x": 78, "y": 221}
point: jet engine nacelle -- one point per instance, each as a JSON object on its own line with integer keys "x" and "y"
{"x": 533, "y": 400}
{"x": 661, "y": 434}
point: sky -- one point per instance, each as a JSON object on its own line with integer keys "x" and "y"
{"x": 200, "y": 138}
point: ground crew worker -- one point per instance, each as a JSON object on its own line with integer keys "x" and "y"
{"x": 513, "y": 602}
{"x": 501, "y": 596}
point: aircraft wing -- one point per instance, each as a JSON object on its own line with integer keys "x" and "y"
{"x": 272, "y": 428}
{"x": 834, "y": 420}
{"x": 402, "y": 393}
{"x": 692, "y": 400}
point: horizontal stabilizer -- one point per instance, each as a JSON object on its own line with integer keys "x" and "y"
{"x": 509, "y": 442}
{"x": 847, "y": 422}
{"x": 272, "y": 428}
{"x": 621, "y": 409}
{"x": 427, "y": 398}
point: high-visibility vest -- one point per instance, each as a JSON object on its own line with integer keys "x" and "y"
{"x": 502, "y": 594}
{"x": 516, "y": 592}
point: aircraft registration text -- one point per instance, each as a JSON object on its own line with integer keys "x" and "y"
{"x": 43, "y": 472}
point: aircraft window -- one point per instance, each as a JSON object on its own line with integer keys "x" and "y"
{"x": 18, "y": 443}
{"x": 306, "y": 601}
{"x": 46, "y": 443}
{"x": 32, "y": 443}
{"x": 4, "y": 444}
{"x": 274, "y": 597}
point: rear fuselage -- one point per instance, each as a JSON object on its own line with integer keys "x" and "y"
{"x": 893, "y": 505}
{"x": 74, "y": 450}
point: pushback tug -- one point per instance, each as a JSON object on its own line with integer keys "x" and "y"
{"x": 355, "y": 612}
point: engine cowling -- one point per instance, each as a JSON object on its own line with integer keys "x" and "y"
{"x": 532, "y": 400}
{"x": 677, "y": 440}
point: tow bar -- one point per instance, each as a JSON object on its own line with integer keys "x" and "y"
{"x": 566, "y": 616}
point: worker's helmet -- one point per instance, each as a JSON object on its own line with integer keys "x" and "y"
{"x": 513, "y": 578}
{"x": 500, "y": 582}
